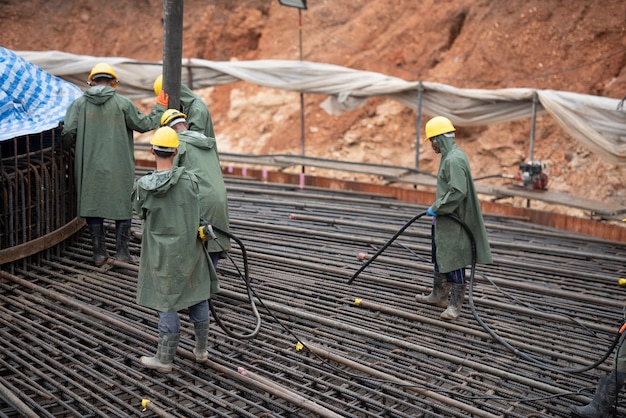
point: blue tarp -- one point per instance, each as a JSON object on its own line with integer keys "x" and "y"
{"x": 31, "y": 100}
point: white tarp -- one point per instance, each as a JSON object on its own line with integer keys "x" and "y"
{"x": 594, "y": 121}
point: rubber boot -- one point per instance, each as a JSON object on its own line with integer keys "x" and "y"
{"x": 439, "y": 295}
{"x": 100, "y": 255}
{"x": 603, "y": 400}
{"x": 201, "y": 330}
{"x": 166, "y": 350}
{"x": 122, "y": 237}
{"x": 457, "y": 296}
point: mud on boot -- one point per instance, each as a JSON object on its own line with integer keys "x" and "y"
{"x": 201, "y": 330}
{"x": 439, "y": 294}
{"x": 164, "y": 357}
{"x": 457, "y": 296}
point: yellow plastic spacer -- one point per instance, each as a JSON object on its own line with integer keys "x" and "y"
{"x": 144, "y": 404}
{"x": 622, "y": 282}
{"x": 357, "y": 301}
{"x": 299, "y": 346}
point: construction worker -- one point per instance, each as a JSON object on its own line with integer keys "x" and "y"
{"x": 174, "y": 272}
{"x": 101, "y": 123}
{"x": 198, "y": 114}
{"x": 199, "y": 155}
{"x": 603, "y": 402}
{"x": 451, "y": 245}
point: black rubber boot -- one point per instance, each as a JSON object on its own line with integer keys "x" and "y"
{"x": 439, "y": 295}
{"x": 100, "y": 255}
{"x": 122, "y": 237}
{"x": 164, "y": 357}
{"x": 457, "y": 296}
{"x": 601, "y": 405}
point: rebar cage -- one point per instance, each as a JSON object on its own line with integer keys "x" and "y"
{"x": 37, "y": 195}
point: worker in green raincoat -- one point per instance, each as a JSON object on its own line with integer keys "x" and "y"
{"x": 198, "y": 154}
{"x": 451, "y": 245}
{"x": 198, "y": 114}
{"x": 606, "y": 397}
{"x": 100, "y": 124}
{"x": 174, "y": 271}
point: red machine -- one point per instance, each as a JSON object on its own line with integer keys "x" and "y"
{"x": 532, "y": 175}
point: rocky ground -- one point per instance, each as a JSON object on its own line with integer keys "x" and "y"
{"x": 571, "y": 45}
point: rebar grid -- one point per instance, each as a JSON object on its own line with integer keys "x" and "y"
{"x": 72, "y": 333}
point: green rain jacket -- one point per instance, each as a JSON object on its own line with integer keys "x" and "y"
{"x": 174, "y": 271}
{"x": 101, "y": 124}
{"x": 198, "y": 154}
{"x": 198, "y": 115}
{"x": 456, "y": 195}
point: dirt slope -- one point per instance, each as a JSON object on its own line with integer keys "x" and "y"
{"x": 572, "y": 45}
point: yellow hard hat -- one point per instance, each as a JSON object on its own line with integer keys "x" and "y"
{"x": 172, "y": 115}
{"x": 158, "y": 85}
{"x": 102, "y": 69}
{"x": 165, "y": 139}
{"x": 437, "y": 126}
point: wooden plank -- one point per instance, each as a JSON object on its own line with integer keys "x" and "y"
{"x": 606, "y": 210}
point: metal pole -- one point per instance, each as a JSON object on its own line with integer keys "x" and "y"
{"x": 172, "y": 50}
{"x": 532, "y": 128}
{"x": 531, "y": 154}
{"x": 418, "y": 124}
{"x": 302, "y": 140}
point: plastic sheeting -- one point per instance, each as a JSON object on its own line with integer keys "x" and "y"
{"x": 31, "y": 100}
{"x": 596, "y": 122}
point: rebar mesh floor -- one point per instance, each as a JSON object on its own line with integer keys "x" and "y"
{"x": 538, "y": 318}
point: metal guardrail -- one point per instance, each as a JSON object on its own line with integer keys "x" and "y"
{"x": 395, "y": 174}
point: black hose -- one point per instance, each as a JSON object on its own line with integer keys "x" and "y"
{"x": 246, "y": 278}
{"x": 492, "y": 333}
{"x": 387, "y": 244}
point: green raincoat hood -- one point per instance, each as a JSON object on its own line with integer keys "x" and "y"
{"x": 197, "y": 139}
{"x": 99, "y": 94}
{"x": 160, "y": 182}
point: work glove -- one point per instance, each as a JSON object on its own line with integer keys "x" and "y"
{"x": 163, "y": 99}
{"x": 430, "y": 212}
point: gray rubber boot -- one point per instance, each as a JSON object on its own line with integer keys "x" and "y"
{"x": 122, "y": 237}
{"x": 603, "y": 400}
{"x": 439, "y": 295}
{"x": 100, "y": 255}
{"x": 457, "y": 296}
{"x": 201, "y": 329}
{"x": 166, "y": 350}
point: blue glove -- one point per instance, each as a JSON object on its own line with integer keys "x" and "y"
{"x": 430, "y": 212}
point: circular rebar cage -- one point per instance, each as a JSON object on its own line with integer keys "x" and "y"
{"x": 37, "y": 196}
